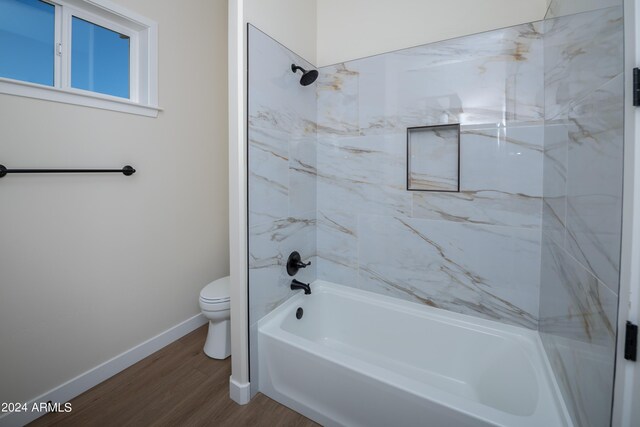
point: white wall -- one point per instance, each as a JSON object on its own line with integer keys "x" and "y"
{"x": 91, "y": 266}
{"x": 291, "y": 22}
{"x": 350, "y": 29}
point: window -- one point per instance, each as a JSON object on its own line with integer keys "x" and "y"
{"x": 99, "y": 59}
{"x": 75, "y": 51}
{"x": 27, "y": 37}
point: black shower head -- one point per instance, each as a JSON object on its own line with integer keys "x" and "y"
{"x": 308, "y": 77}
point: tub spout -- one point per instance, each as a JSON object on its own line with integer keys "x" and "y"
{"x": 296, "y": 284}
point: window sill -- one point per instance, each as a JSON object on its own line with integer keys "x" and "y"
{"x": 86, "y": 99}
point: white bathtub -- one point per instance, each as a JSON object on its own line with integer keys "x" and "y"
{"x": 360, "y": 359}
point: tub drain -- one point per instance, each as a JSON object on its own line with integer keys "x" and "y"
{"x": 299, "y": 313}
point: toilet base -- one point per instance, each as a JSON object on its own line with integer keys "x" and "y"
{"x": 218, "y": 344}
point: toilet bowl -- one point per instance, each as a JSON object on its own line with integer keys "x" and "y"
{"x": 215, "y": 306}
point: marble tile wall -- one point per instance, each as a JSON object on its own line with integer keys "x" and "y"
{"x": 281, "y": 179}
{"x": 533, "y": 236}
{"x": 582, "y": 206}
{"x": 558, "y": 8}
{"x": 476, "y": 251}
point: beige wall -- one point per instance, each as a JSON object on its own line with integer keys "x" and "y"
{"x": 91, "y": 266}
{"x": 350, "y": 29}
{"x": 330, "y": 31}
{"x": 291, "y": 22}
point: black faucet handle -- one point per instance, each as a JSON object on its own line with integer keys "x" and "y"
{"x": 294, "y": 263}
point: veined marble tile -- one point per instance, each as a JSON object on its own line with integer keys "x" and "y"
{"x": 594, "y": 181}
{"x": 559, "y": 8}
{"x": 364, "y": 174}
{"x": 378, "y": 159}
{"x": 578, "y": 317}
{"x": 479, "y": 207}
{"x": 573, "y": 302}
{"x": 362, "y": 197}
{"x": 507, "y": 160}
{"x": 276, "y": 98}
{"x": 556, "y": 142}
{"x": 490, "y": 272}
{"x": 484, "y": 80}
{"x": 492, "y": 77}
{"x": 337, "y": 98}
{"x": 269, "y": 249}
{"x": 518, "y": 43}
{"x": 302, "y": 175}
{"x": 585, "y": 375}
{"x": 282, "y": 168}
{"x": 582, "y": 204}
{"x": 581, "y": 53}
{"x": 337, "y": 239}
{"x": 268, "y": 158}
{"x": 433, "y": 158}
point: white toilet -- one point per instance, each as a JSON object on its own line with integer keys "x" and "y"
{"x": 215, "y": 306}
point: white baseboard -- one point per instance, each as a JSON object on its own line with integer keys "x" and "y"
{"x": 239, "y": 392}
{"x": 83, "y": 382}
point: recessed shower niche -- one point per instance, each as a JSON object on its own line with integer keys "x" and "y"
{"x": 433, "y": 158}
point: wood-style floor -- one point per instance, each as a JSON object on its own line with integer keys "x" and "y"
{"x": 176, "y": 386}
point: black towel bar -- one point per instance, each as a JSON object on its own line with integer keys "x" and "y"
{"x": 127, "y": 171}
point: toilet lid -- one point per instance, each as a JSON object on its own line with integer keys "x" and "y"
{"x": 218, "y": 290}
